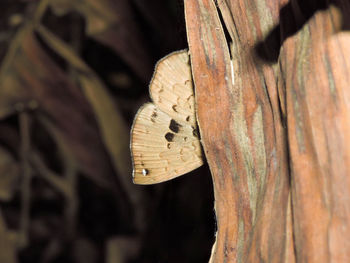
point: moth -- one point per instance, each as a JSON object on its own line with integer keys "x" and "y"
{"x": 164, "y": 138}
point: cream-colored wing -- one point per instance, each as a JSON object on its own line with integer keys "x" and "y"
{"x": 161, "y": 147}
{"x": 171, "y": 87}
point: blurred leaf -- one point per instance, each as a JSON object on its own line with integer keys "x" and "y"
{"x": 29, "y": 74}
{"x": 113, "y": 24}
{"x": 114, "y": 132}
{"x": 59, "y": 183}
{"x": 85, "y": 251}
{"x": 13, "y": 96}
{"x": 9, "y": 137}
{"x": 7, "y": 243}
{"x": 51, "y": 251}
{"x": 121, "y": 249}
{"x": 9, "y": 175}
{"x": 158, "y": 17}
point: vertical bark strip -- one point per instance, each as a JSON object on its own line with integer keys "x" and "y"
{"x": 243, "y": 139}
{"x": 315, "y": 65}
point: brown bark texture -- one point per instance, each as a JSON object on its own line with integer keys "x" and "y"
{"x": 275, "y": 127}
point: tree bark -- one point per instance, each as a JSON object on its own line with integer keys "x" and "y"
{"x": 315, "y": 67}
{"x": 275, "y": 129}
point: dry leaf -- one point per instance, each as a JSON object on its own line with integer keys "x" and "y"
{"x": 112, "y": 127}
{"x": 121, "y": 249}
{"x": 7, "y": 243}
{"x": 28, "y": 74}
{"x": 9, "y": 175}
{"x": 112, "y": 23}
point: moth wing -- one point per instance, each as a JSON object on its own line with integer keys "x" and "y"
{"x": 171, "y": 87}
{"x": 162, "y": 149}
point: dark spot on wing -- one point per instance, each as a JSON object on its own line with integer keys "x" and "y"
{"x": 188, "y": 118}
{"x": 174, "y": 126}
{"x": 145, "y": 172}
{"x": 153, "y": 116}
{"x": 174, "y": 108}
{"x": 168, "y": 145}
{"x": 169, "y": 136}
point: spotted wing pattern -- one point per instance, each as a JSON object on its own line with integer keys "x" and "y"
{"x": 164, "y": 137}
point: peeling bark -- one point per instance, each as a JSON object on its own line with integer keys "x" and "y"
{"x": 243, "y": 138}
{"x": 277, "y": 140}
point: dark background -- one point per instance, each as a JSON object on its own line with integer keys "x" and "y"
{"x": 61, "y": 198}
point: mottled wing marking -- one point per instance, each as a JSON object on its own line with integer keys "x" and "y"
{"x": 171, "y": 87}
{"x": 162, "y": 148}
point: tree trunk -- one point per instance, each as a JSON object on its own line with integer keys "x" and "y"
{"x": 276, "y": 127}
